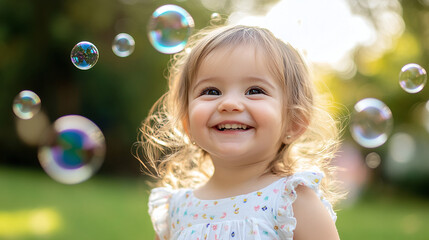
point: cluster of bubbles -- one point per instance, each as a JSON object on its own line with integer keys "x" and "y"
{"x": 371, "y": 122}
{"x": 72, "y": 149}
{"x": 169, "y": 28}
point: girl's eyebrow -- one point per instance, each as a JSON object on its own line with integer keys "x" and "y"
{"x": 261, "y": 79}
{"x": 248, "y": 78}
{"x": 198, "y": 82}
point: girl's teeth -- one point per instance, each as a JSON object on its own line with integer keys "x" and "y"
{"x": 231, "y": 126}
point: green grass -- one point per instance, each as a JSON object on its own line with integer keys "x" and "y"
{"x": 385, "y": 216}
{"x": 100, "y": 208}
{"x": 116, "y": 208}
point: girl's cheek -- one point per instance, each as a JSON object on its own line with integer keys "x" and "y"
{"x": 198, "y": 115}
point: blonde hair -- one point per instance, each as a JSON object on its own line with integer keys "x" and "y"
{"x": 167, "y": 151}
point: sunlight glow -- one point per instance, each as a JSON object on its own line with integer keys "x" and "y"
{"x": 327, "y": 33}
{"x": 42, "y": 221}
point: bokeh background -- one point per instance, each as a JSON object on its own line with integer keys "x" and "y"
{"x": 356, "y": 50}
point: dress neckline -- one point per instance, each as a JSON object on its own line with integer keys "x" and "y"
{"x": 236, "y": 196}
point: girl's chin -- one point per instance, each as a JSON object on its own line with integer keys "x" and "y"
{"x": 232, "y": 154}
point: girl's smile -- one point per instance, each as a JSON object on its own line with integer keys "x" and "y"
{"x": 232, "y": 126}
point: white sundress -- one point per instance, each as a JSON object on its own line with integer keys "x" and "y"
{"x": 263, "y": 214}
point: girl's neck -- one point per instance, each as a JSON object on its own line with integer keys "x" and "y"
{"x": 228, "y": 181}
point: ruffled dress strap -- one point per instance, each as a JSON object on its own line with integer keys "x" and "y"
{"x": 285, "y": 216}
{"x": 159, "y": 201}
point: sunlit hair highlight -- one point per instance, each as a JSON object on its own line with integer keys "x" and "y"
{"x": 165, "y": 150}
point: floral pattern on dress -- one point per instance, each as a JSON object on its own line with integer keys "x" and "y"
{"x": 263, "y": 214}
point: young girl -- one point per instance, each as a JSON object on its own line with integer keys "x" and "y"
{"x": 239, "y": 143}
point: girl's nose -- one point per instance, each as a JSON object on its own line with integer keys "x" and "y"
{"x": 230, "y": 104}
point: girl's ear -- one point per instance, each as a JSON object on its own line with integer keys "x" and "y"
{"x": 296, "y": 129}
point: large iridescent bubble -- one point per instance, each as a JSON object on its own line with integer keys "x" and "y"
{"x": 371, "y": 122}
{"x": 169, "y": 28}
{"x": 73, "y": 151}
{"x": 84, "y": 55}
{"x": 412, "y": 78}
{"x": 26, "y": 104}
{"x": 123, "y": 45}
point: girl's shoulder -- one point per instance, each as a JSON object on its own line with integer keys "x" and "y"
{"x": 310, "y": 180}
{"x": 310, "y": 208}
{"x": 306, "y": 186}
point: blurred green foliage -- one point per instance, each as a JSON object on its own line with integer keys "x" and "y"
{"x": 36, "y": 38}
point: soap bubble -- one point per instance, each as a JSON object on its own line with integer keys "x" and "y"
{"x": 371, "y": 123}
{"x": 169, "y": 28}
{"x": 84, "y": 55}
{"x": 373, "y": 160}
{"x": 74, "y": 150}
{"x": 412, "y": 78}
{"x": 215, "y": 17}
{"x": 123, "y": 45}
{"x": 26, "y": 104}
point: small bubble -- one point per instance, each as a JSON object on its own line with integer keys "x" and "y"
{"x": 73, "y": 151}
{"x": 216, "y": 17}
{"x": 373, "y": 160}
{"x": 371, "y": 122}
{"x": 123, "y": 45}
{"x": 412, "y": 78}
{"x": 84, "y": 55}
{"x": 169, "y": 28}
{"x": 26, "y": 104}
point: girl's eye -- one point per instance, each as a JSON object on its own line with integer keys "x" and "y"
{"x": 210, "y": 91}
{"x": 255, "y": 90}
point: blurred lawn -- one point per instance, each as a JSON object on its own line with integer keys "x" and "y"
{"x": 100, "y": 208}
{"x": 32, "y": 206}
{"x": 381, "y": 215}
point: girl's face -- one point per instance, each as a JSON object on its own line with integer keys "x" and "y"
{"x": 235, "y": 106}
